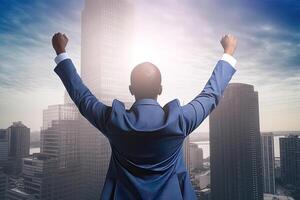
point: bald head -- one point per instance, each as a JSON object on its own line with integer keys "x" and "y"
{"x": 145, "y": 81}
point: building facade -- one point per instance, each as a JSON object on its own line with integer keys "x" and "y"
{"x": 3, "y": 147}
{"x": 107, "y": 32}
{"x": 46, "y": 180}
{"x": 196, "y": 157}
{"x": 268, "y": 160}
{"x": 290, "y": 159}
{"x": 67, "y": 111}
{"x": 277, "y": 168}
{"x": 18, "y": 145}
{"x": 235, "y": 145}
{"x": 54, "y": 174}
{"x": 62, "y": 142}
{"x": 39, "y": 173}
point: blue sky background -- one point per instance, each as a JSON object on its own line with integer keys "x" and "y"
{"x": 181, "y": 37}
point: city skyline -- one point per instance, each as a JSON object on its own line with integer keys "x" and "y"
{"x": 268, "y": 53}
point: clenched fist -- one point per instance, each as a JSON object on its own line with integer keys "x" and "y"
{"x": 229, "y": 43}
{"x": 59, "y": 42}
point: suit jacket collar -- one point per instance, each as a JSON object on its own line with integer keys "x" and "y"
{"x": 146, "y": 102}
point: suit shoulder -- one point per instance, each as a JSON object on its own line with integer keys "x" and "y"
{"x": 117, "y": 103}
{"x": 173, "y": 103}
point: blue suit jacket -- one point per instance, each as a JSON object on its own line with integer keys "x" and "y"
{"x": 146, "y": 140}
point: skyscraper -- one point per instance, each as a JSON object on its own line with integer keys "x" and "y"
{"x": 268, "y": 160}
{"x": 290, "y": 159}
{"x": 3, "y": 161}
{"x": 60, "y": 134}
{"x": 106, "y": 39}
{"x": 45, "y": 179}
{"x": 19, "y": 144}
{"x": 55, "y": 173}
{"x": 107, "y": 32}
{"x": 3, "y": 147}
{"x": 40, "y": 177}
{"x": 61, "y": 141}
{"x": 67, "y": 111}
{"x": 55, "y": 113}
{"x": 196, "y": 156}
{"x": 235, "y": 146}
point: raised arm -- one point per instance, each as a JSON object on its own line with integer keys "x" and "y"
{"x": 89, "y": 106}
{"x": 202, "y": 105}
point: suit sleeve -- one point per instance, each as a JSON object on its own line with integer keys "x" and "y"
{"x": 89, "y": 106}
{"x": 203, "y": 104}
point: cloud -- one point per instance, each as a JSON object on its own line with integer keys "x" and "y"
{"x": 268, "y": 52}
{"x": 181, "y": 37}
{"x": 25, "y": 39}
{"x": 27, "y": 81}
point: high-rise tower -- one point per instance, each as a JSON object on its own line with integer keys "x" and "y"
{"x": 290, "y": 159}
{"x": 268, "y": 160}
{"x": 18, "y": 145}
{"x": 3, "y": 147}
{"x": 55, "y": 172}
{"x": 235, "y": 147}
{"x": 107, "y": 33}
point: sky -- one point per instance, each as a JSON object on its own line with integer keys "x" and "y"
{"x": 180, "y": 37}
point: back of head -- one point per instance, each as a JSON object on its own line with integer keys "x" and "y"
{"x": 145, "y": 81}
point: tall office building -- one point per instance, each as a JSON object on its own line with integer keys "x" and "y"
{"x": 61, "y": 141}
{"x": 60, "y": 134}
{"x": 290, "y": 159}
{"x": 268, "y": 160}
{"x": 3, "y": 147}
{"x": 277, "y": 168}
{"x": 40, "y": 175}
{"x": 196, "y": 157}
{"x": 67, "y": 111}
{"x": 19, "y": 144}
{"x": 55, "y": 173}
{"x": 45, "y": 179}
{"x": 235, "y": 145}
{"x": 106, "y": 45}
{"x": 107, "y": 32}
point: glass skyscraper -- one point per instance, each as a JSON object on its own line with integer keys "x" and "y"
{"x": 18, "y": 145}
{"x": 3, "y": 147}
{"x": 268, "y": 160}
{"x": 67, "y": 111}
{"x": 55, "y": 172}
{"x": 235, "y": 145}
{"x": 107, "y": 33}
{"x": 290, "y": 159}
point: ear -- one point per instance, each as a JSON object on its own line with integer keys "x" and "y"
{"x": 131, "y": 90}
{"x": 160, "y": 90}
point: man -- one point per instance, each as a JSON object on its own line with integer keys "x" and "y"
{"x": 146, "y": 140}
